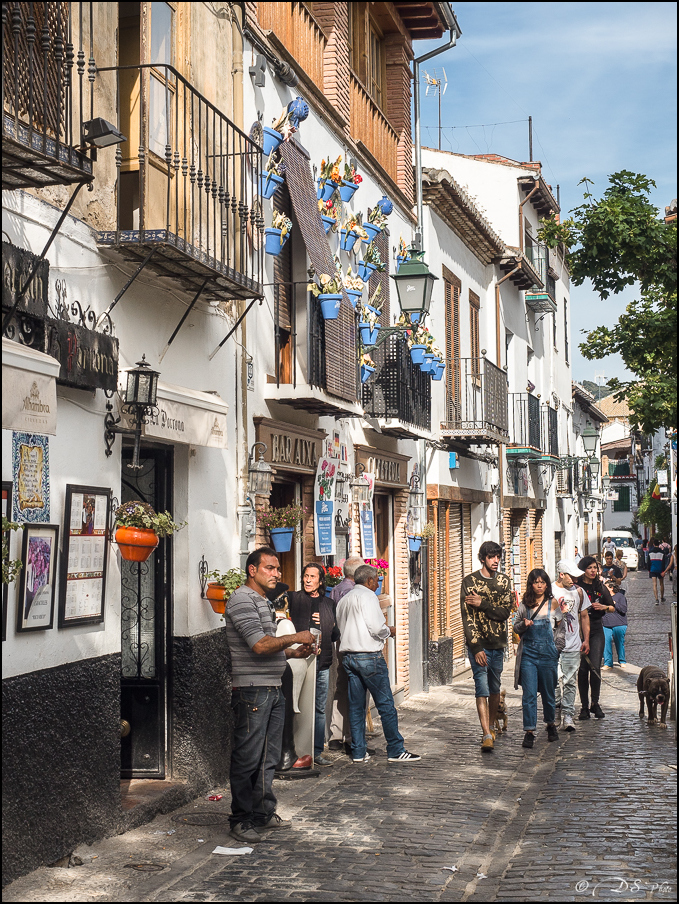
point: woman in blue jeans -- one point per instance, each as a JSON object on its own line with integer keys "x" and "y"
{"x": 539, "y": 660}
{"x": 615, "y": 626}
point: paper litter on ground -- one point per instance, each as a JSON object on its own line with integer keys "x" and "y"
{"x": 225, "y": 850}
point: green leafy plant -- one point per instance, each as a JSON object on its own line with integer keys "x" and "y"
{"x": 377, "y": 217}
{"x": 367, "y": 316}
{"x": 284, "y": 516}
{"x": 329, "y": 285}
{"x": 280, "y": 221}
{"x": 10, "y": 567}
{"x": 365, "y": 359}
{"x": 352, "y": 281}
{"x": 354, "y": 223}
{"x": 655, "y": 512}
{"x": 140, "y": 514}
{"x": 231, "y": 580}
{"x": 371, "y": 255}
{"x": 376, "y": 301}
{"x": 426, "y": 531}
{"x": 331, "y": 170}
{"x": 350, "y": 174}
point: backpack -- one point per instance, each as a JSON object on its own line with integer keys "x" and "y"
{"x": 559, "y": 631}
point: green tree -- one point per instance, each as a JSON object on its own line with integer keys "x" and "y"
{"x": 619, "y": 241}
{"x": 655, "y": 511}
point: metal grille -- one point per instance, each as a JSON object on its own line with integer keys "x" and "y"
{"x": 479, "y": 398}
{"x": 550, "y": 430}
{"x": 340, "y": 362}
{"x": 525, "y": 420}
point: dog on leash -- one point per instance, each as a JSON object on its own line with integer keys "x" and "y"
{"x": 500, "y": 723}
{"x": 654, "y": 688}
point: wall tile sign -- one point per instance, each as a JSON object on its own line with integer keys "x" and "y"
{"x": 31, "y": 472}
{"x": 367, "y": 521}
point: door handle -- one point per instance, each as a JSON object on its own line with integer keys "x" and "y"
{"x": 125, "y": 728}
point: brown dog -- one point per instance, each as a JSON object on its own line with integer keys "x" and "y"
{"x": 653, "y": 686}
{"x": 500, "y": 723}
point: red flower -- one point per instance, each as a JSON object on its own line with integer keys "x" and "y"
{"x": 358, "y": 178}
{"x": 328, "y": 203}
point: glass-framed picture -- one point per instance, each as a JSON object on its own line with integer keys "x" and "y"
{"x": 6, "y": 551}
{"x": 84, "y": 555}
{"x": 39, "y": 552}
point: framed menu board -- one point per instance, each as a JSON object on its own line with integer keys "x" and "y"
{"x": 85, "y": 555}
{"x": 7, "y": 513}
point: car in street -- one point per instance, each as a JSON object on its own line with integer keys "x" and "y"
{"x": 624, "y": 540}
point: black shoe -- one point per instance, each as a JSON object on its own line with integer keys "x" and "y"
{"x": 287, "y": 759}
{"x": 552, "y": 733}
{"x": 584, "y": 714}
{"x": 322, "y": 761}
{"x": 335, "y": 745}
{"x": 597, "y": 710}
{"x": 529, "y": 739}
{"x": 245, "y": 832}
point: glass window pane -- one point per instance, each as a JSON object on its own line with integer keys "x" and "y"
{"x": 158, "y": 136}
{"x": 161, "y": 33}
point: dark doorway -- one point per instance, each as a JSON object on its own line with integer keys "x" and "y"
{"x": 284, "y": 494}
{"x": 145, "y": 624}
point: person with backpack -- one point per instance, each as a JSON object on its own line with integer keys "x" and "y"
{"x": 536, "y": 667}
{"x": 657, "y": 561}
{"x": 615, "y": 625}
{"x": 572, "y": 602}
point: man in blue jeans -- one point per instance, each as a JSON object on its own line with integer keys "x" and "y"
{"x": 257, "y": 665}
{"x": 364, "y": 632}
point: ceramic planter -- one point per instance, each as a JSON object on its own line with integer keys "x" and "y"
{"x": 428, "y": 360}
{"x": 272, "y": 242}
{"x": 328, "y": 223}
{"x": 373, "y": 231}
{"x": 326, "y": 189}
{"x": 365, "y": 270}
{"x": 368, "y": 333}
{"x": 347, "y": 239}
{"x": 216, "y": 594}
{"x": 399, "y": 260}
{"x": 415, "y": 316}
{"x": 417, "y": 353}
{"x": 330, "y": 305}
{"x": 347, "y": 190}
{"x": 366, "y": 372}
{"x": 268, "y": 183}
{"x": 380, "y": 581}
{"x": 414, "y": 543}
{"x": 438, "y": 373}
{"x": 354, "y": 296}
{"x": 136, "y": 543}
{"x": 369, "y": 307}
{"x": 281, "y": 538}
{"x": 270, "y": 140}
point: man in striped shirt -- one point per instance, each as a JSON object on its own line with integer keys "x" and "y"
{"x": 257, "y": 665}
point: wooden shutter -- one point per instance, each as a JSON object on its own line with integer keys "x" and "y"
{"x": 282, "y": 267}
{"x": 455, "y": 575}
{"x": 622, "y": 503}
{"x": 453, "y": 287}
{"x": 474, "y": 307}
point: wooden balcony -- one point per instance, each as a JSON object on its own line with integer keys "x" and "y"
{"x": 371, "y": 125}
{"x": 300, "y": 34}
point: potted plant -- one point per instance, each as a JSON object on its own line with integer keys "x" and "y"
{"x": 330, "y": 179}
{"x": 329, "y": 293}
{"x": 282, "y": 129}
{"x": 417, "y": 340}
{"x": 368, "y": 326}
{"x": 353, "y": 286}
{"x": 439, "y": 364}
{"x": 376, "y": 222}
{"x": 426, "y": 532}
{"x": 371, "y": 262}
{"x": 221, "y": 585}
{"x": 401, "y": 254}
{"x": 273, "y": 177}
{"x": 376, "y": 301}
{"x": 333, "y": 576}
{"x": 138, "y": 528}
{"x": 367, "y": 366}
{"x": 10, "y": 567}
{"x": 350, "y": 183}
{"x": 277, "y": 234}
{"x": 329, "y": 214}
{"x": 351, "y": 231}
{"x": 382, "y": 567}
{"x": 281, "y": 523}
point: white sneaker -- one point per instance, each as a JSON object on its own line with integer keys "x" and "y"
{"x": 362, "y": 760}
{"x": 405, "y": 757}
{"x": 568, "y": 723}
{"x": 623, "y": 665}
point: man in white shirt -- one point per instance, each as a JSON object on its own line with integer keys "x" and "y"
{"x": 364, "y": 632}
{"x": 574, "y": 603}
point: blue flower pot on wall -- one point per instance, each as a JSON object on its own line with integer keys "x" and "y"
{"x": 326, "y": 189}
{"x": 272, "y": 243}
{"x": 268, "y": 183}
{"x": 330, "y": 305}
{"x": 438, "y": 373}
{"x": 385, "y": 205}
{"x": 368, "y": 334}
{"x": 354, "y": 296}
{"x": 365, "y": 270}
{"x": 414, "y": 543}
{"x": 373, "y": 231}
{"x": 366, "y": 372}
{"x": 347, "y": 239}
{"x": 417, "y": 353}
{"x": 328, "y": 223}
{"x": 281, "y": 538}
{"x": 428, "y": 360}
{"x": 380, "y": 581}
{"x": 271, "y": 140}
{"x": 347, "y": 190}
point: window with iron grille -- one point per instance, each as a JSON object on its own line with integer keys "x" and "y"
{"x": 553, "y": 424}
{"x": 453, "y": 391}
{"x": 623, "y": 502}
{"x": 565, "y": 329}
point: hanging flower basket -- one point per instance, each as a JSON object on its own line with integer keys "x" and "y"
{"x": 281, "y": 538}
{"x": 328, "y": 223}
{"x": 438, "y": 373}
{"x": 414, "y": 543}
{"x": 347, "y": 239}
{"x": 427, "y": 362}
{"x": 216, "y": 594}
{"x": 268, "y": 183}
{"x": 136, "y": 543}
{"x": 417, "y": 353}
{"x": 330, "y": 305}
{"x": 366, "y": 372}
{"x": 354, "y": 296}
{"x": 270, "y": 140}
{"x": 399, "y": 260}
{"x": 347, "y": 190}
{"x": 326, "y": 189}
{"x": 368, "y": 333}
{"x": 138, "y": 528}
{"x": 273, "y": 243}
{"x": 365, "y": 270}
{"x": 372, "y": 230}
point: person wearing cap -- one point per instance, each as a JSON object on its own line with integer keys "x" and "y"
{"x": 573, "y": 603}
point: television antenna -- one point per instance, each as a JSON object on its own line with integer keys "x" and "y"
{"x": 600, "y": 380}
{"x": 437, "y": 84}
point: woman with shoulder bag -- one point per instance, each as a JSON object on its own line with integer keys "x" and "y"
{"x": 537, "y": 658}
{"x": 589, "y": 673}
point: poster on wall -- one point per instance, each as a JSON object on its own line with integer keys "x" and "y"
{"x": 85, "y": 553}
{"x": 31, "y": 471}
{"x": 324, "y": 506}
{"x": 367, "y": 521}
{"x": 35, "y": 606}
{"x": 6, "y": 513}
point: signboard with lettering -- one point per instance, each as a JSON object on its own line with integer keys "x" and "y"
{"x": 367, "y": 521}
{"x": 30, "y": 469}
{"x": 89, "y": 360}
{"x": 29, "y": 401}
{"x": 289, "y": 447}
{"x": 389, "y": 468}
{"x": 17, "y": 265}
{"x": 324, "y": 506}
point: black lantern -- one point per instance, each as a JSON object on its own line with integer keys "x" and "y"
{"x": 414, "y": 284}
{"x": 589, "y": 438}
{"x": 142, "y": 385}
{"x": 101, "y": 134}
{"x": 260, "y": 473}
{"x": 139, "y": 404}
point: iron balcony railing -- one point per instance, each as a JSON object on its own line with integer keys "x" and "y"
{"x": 398, "y": 389}
{"x": 550, "y": 431}
{"x": 620, "y": 468}
{"x": 524, "y": 427}
{"x": 538, "y": 255}
{"x": 476, "y": 404}
{"x": 40, "y": 118}
{"x": 188, "y": 183}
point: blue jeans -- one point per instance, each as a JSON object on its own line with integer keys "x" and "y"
{"x": 538, "y": 673}
{"x": 487, "y": 678}
{"x": 259, "y": 716}
{"x": 322, "y": 679}
{"x": 369, "y": 672}
{"x": 614, "y": 636}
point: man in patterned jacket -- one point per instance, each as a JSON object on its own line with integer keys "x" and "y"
{"x": 486, "y": 602}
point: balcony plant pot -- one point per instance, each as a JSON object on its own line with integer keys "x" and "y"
{"x": 328, "y": 223}
{"x": 216, "y": 594}
{"x": 365, "y": 270}
{"x": 399, "y": 260}
{"x": 380, "y": 582}
{"x": 268, "y": 183}
{"x": 427, "y": 362}
{"x": 330, "y": 305}
{"x": 414, "y": 543}
{"x": 372, "y": 230}
{"x": 136, "y": 543}
{"x": 438, "y": 373}
{"x": 354, "y": 296}
{"x": 347, "y": 190}
{"x": 369, "y": 307}
{"x": 326, "y": 189}
{"x": 368, "y": 333}
{"x": 366, "y": 372}
{"x": 272, "y": 242}
{"x": 281, "y": 538}
{"x": 415, "y": 316}
{"x": 417, "y": 353}
{"x": 347, "y": 239}
{"x": 270, "y": 140}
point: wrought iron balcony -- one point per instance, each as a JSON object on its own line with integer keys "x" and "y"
{"x": 39, "y": 119}
{"x": 620, "y": 468}
{"x": 476, "y": 402}
{"x": 188, "y": 186}
{"x": 399, "y": 392}
{"x": 550, "y": 431}
{"x": 541, "y": 300}
{"x": 525, "y": 435}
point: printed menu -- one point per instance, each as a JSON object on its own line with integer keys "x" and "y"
{"x": 86, "y": 556}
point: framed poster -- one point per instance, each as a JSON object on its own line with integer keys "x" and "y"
{"x": 35, "y": 606}
{"x": 30, "y": 466}
{"x": 85, "y": 555}
{"x": 6, "y": 551}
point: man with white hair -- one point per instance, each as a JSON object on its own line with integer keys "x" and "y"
{"x": 574, "y": 603}
{"x": 339, "y": 730}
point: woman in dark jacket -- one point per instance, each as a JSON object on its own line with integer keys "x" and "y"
{"x": 311, "y": 608}
{"x": 589, "y": 674}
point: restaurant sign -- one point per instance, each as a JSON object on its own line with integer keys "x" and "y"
{"x": 17, "y": 266}
{"x": 89, "y": 359}
{"x": 289, "y": 447}
{"x": 389, "y": 468}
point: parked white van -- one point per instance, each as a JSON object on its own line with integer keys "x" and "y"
{"x": 625, "y": 540}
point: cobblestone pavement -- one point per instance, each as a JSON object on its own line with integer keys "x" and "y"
{"x": 591, "y": 816}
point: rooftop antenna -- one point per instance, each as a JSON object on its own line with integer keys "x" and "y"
{"x": 600, "y": 380}
{"x": 438, "y": 86}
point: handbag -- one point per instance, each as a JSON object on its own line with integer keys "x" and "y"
{"x": 519, "y": 650}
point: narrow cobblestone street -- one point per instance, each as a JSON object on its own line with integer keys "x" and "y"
{"x": 593, "y": 815}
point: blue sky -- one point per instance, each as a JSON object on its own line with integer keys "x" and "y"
{"x": 599, "y": 80}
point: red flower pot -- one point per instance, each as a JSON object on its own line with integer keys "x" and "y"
{"x": 216, "y": 594}
{"x": 136, "y": 543}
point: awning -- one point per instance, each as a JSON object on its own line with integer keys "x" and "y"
{"x": 188, "y": 416}
{"x": 29, "y": 389}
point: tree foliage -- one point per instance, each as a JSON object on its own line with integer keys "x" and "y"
{"x": 619, "y": 241}
{"x": 655, "y": 511}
